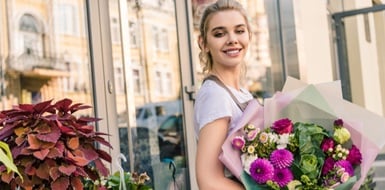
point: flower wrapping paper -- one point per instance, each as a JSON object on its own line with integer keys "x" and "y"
{"x": 316, "y": 103}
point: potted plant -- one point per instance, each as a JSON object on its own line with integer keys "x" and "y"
{"x": 51, "y": 146}
{"x": 120, "y": 181}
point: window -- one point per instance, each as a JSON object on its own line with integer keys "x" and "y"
{"x": 164, "y": 40}
{"x": 158, "y": 82}
{"x": 136, "y": 79}
{"x": 31, "y": 35}
{"x": 28, "y": 24}
{"x": 119, "y": 80}
{"x": 66, "y": 19}
{"x": 149, "y": 29}
{"x": 160, "y": 37}
{"x": 156, "y": 38}
{"x": 168, "y": 84}
{"x": 115, "y": 34}
{"x": 133, "y": 34}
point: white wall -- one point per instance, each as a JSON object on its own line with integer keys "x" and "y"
{"x": 315, "y": 47}
{"x": 313, "y": 41}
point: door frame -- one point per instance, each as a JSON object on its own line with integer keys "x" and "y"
{"x": 100, "y": 47}
{"x": 183, "y": 11}
{"x": 343, "y": 63}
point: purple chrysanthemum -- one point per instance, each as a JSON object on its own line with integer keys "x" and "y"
{"x": 261, "y": 170}
{"x": 354, "y": 157}
{"x": 346, "y": 165}
{"x": 282, "y": 176}
{"x": 281, "y": 158}
{"x": 328, "y": 165}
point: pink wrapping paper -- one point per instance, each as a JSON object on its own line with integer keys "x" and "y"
{"x": 231, "y": 157}
{"x": 321, "y": 104}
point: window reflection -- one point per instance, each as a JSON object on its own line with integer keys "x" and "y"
{"x": 66, "y": 18}
{"x": 153, "y": 83}
{"x": 43, "y": 53}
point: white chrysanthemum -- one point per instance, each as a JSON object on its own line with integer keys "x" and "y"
{"x": 283, "y": 140}
{"x": 281, "y": 146}
{"x": 247, "y": 160}
{"x": 273, "y": 137}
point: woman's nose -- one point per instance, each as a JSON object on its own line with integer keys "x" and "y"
{"x": 232, "y": 39}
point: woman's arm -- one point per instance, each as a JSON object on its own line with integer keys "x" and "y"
{"x": 210, "y": 170}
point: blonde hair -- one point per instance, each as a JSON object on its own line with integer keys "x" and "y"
{"x": 221, "y": 5}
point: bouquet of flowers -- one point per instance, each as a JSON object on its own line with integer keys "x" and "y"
{"x": 316, "y": 149}
{"x": 294, "y": 155}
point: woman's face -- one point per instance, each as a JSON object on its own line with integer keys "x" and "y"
{"x": 227, "y": 38}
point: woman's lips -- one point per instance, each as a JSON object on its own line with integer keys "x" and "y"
{"x": 232, "y": 52}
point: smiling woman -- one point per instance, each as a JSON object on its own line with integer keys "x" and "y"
{"x": 227, "y": 40}
{"x": 224, "y": 40}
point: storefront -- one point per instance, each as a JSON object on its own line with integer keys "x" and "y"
{"x": 136, "y": 62}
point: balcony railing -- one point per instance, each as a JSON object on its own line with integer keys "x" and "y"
{"x": 28, "y": 62}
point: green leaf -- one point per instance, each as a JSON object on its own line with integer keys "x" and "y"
{"x": 250, "y": 184}
{"x": 310, "y": 137}
{"x": 6, "y": 158}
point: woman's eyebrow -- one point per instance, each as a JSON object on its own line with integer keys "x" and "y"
{"x": 240, "y": 25}
{"x": 224, "y": 28}
{"x": 218, "y": 28}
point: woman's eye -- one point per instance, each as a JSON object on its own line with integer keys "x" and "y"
{"x": 219, "y": 34}
{"x": 240, "y": 31}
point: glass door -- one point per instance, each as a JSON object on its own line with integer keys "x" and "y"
{"x": 147, "y": 81}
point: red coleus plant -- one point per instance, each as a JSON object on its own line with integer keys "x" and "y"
{"x": 52, "y": 148}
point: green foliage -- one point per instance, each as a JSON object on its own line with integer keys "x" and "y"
{"x": 6, "y": 158}
{"x": 132, "y": 181}
{"x": 310, "y": 158}
{"x": 52, "y": 148}
{"x": 369, "y": 184}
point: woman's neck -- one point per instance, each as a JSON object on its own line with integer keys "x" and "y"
{"x": 230, "y": 79}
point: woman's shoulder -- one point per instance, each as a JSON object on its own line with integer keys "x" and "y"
{"x": 212, "y": 89}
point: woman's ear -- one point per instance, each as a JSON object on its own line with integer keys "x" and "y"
{"x": 201, "y": 44}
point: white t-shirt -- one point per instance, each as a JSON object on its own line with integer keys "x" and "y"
{"x": 213, "y": 102}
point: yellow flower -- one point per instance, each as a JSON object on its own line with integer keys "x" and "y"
{"x": 250, "y": 149}
{"x": 341, "y": 135}
{"x": 250, "y": 127}
{"x": 293, "y": 184}
{"x": 263, "y": 137}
